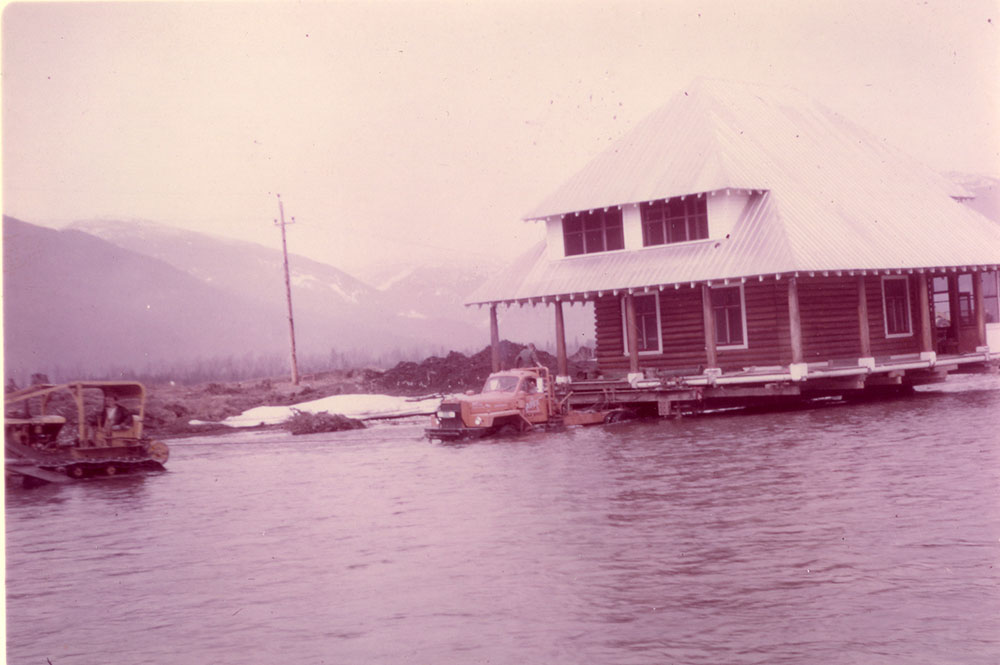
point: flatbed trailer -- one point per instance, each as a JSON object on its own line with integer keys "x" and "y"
{"x": 679, "y": 392}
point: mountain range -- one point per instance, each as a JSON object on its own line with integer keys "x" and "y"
{"x": 101, "y": 296}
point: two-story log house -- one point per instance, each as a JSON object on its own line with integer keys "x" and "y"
{"x": 748, "y": 235}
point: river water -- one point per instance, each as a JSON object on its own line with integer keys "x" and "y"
{"x": 858, "y": 533}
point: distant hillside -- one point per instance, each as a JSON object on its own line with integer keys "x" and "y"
{"x": 251, "y": 270}
{"x": 185, "y": 296}
{"x": 430, "y": 290}
{"x": 76, "y": 303}
{"x": 333, "y": 310}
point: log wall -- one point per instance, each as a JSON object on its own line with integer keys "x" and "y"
{"x": 828, "y": 309}
{"x": 829, "y": 316}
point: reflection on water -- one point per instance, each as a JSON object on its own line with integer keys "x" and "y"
{"x": 843, "y": 534}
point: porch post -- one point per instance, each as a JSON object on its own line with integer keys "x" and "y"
{"x": 494, "y": 338}
{"x": 977, "y": 296}
{"x": 560, "y": 341}
{"x": 955, "y": 306}
{"x": 708, "y": 314}
{"x": 863, "y": 331}
{"x": 926, "y": 331}
{"x": 631, "y": 334}
{"x": 797, "y": 367}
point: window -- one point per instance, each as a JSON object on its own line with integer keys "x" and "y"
{"x": 991, "y": 297}
{"x": 966, "y": 306}
{"x": 896, "y": 306}
{"x": 500, "y": 384}
{"x": 647, "y": 323}
{"x": 730, "y": 319}
{"x": 597, "y": 231}
{"x": 942, "y": 302}
{"x": 674, "y": 220}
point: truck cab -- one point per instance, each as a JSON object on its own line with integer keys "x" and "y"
{"x": 510, "y": 401}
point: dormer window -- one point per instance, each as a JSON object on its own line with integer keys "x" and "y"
{"x": 674, "y": 220}
{"x": 595, "y": 231}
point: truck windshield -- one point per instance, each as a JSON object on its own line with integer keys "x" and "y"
{"x": 500, "y": 384}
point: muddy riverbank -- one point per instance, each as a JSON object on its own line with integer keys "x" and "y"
{"x": 171, "y": 407}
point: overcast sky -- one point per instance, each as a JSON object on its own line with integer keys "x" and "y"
{"x": 397, "y": 130}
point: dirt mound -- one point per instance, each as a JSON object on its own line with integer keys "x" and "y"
{"x": 455, "y": 372}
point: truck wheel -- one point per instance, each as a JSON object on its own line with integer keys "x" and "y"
{"x": 621, "y": 415}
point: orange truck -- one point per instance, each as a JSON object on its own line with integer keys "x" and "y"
{"x": 511, "y": 401}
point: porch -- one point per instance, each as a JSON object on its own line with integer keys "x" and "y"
{"x": 786, "y": 326}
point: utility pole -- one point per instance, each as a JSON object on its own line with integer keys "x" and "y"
{"x": 288, "y": 289}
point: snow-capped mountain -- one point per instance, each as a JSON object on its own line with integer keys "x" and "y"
{"x": 137, "y": 294}
{"x": 433, "y": 288}
{"x": 235, "y": 265}
{"x": 77, "y": 304}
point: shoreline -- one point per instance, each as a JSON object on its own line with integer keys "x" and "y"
{"x": 170, "y": 408}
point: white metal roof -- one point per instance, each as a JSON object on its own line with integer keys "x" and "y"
{"x": 827, "y": 196}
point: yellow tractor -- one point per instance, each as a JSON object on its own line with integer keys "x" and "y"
{"x": 38, "y": 447}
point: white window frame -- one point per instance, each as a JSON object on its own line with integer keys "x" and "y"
{"x": 885, "y": 310}
{"x": 743, "y": 317}
{"x": 659, "y": 325}
{"x": 994, "y": 277}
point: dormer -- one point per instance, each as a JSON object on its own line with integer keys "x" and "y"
{"x": 663, "y": 222}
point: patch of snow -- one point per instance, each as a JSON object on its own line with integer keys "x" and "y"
{"x": 350, "y": 297}
{"x": 398, "y": 277}
{"x": 310, "y": 281}
{"x": 412, "y": 314}
{"x": 352, "y": 406}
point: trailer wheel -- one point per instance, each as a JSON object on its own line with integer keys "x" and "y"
{"x": 75, "y": 472}
{"x": 110, "y": 469}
